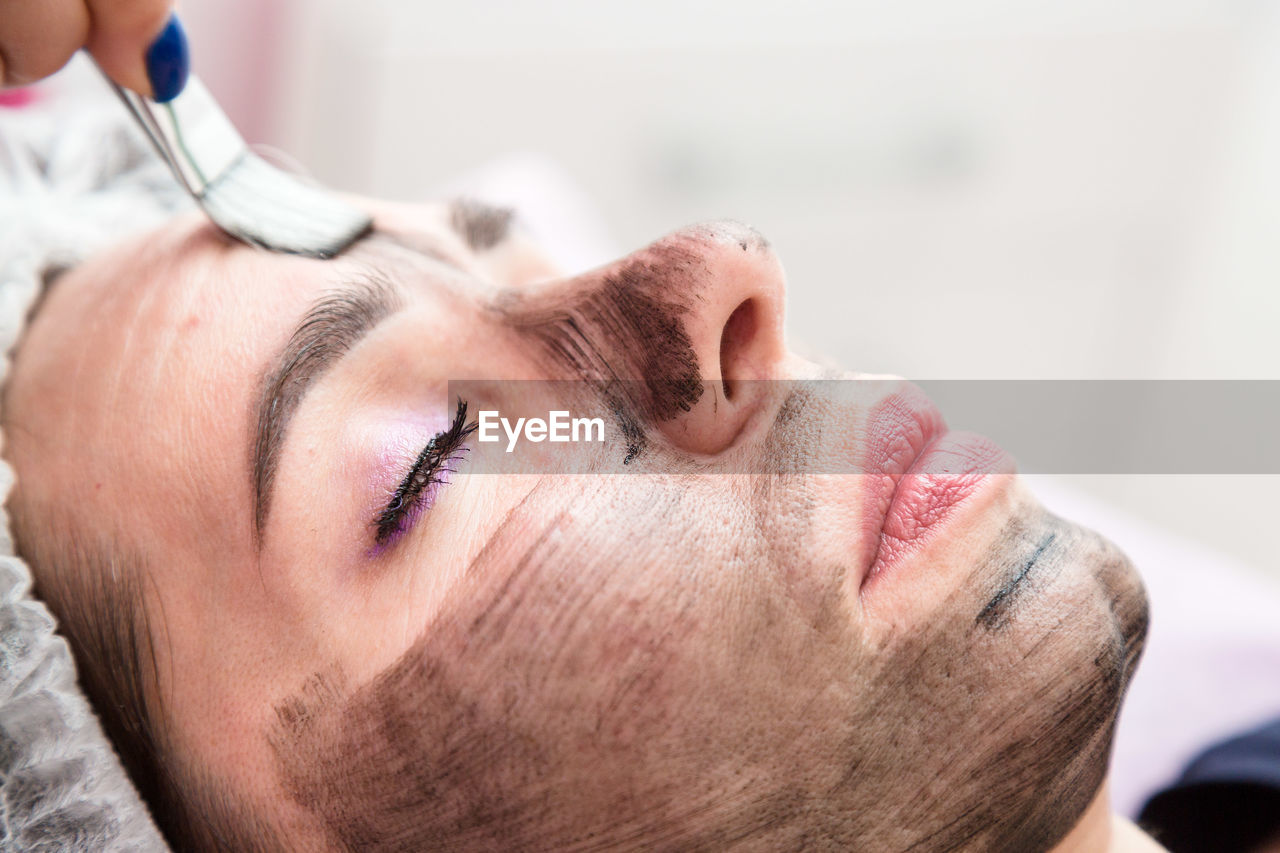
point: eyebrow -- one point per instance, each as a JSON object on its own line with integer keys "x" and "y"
{"x": 331, "y": 328}
{"x": 480, "y": 225}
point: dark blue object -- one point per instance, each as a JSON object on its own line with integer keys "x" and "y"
{"x": 1227, "y": 801}
{"x": 169, "y": 62}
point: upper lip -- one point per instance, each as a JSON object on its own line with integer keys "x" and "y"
{"x": 900, "y": 428}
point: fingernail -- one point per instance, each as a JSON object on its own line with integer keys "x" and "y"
{"x": 168, "y": 61}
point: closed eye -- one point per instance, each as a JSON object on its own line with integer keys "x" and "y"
{"x": 417, "y": 490}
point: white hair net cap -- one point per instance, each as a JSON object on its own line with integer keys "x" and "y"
{"x": 75, "y": 176}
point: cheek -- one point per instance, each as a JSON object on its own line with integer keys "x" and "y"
{"x": 644, "y": 654}
{"x": 635, "y": 626}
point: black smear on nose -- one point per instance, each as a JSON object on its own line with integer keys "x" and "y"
{"x": 625, "y": 330}
{"x": 993, "y": 613}
{"x": 632, "y": 431}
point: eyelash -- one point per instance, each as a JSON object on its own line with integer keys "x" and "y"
{"x": 446, "y": 447}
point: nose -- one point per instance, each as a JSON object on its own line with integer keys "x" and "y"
{"x": 735, "y": 298}
{"x": 697, "y": 317}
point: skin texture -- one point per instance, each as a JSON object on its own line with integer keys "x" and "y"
{"x": 660, "y": 660}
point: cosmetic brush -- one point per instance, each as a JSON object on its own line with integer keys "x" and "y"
{"x": 245, "y": 196}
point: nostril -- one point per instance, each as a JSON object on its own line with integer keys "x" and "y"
{"x": 735, "y": 339}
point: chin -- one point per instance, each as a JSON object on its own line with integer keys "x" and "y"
{"x": 1023, "y": 661}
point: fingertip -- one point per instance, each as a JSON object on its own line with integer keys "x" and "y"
{"x": 124, "y": 37}
{"x": 131, "y": 74}
{"x": 37, "y": 39}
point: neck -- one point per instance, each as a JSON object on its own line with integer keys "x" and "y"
{"x": 1101, "y": 830}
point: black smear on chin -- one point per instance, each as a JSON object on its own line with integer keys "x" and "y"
{"x": 993, "y": 613}
{"x": 1034, "y": 766}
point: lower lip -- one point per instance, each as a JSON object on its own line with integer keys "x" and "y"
{"x": 951, "y": 469}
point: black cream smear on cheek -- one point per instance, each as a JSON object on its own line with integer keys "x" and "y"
{"x": 576, "y": 700}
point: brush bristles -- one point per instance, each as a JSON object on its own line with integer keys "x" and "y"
{"x": 256, "y": 202}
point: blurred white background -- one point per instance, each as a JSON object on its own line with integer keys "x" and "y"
{"x": 958, "y": 188}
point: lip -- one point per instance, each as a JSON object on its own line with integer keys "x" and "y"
{"x": 918, "y": 471}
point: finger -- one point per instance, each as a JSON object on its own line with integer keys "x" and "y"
{"x": 37, "y": 37}
{"x": 120, "y": 34}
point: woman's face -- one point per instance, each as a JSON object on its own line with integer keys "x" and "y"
{"x": 707, "y": 638}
